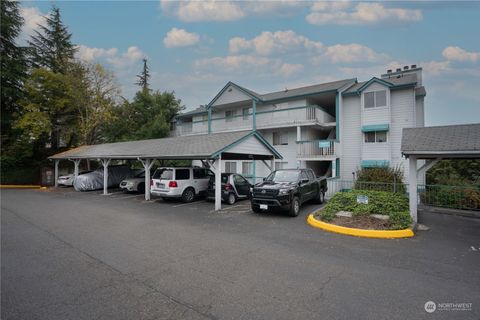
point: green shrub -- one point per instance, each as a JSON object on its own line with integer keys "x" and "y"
{"x": 381, "y": 179}
{"x": 456, "y": 197}
{"x": 395, "y": 205}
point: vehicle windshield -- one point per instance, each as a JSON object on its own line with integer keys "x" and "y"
{"x": 140, "y": 175}
{"x": 283, "y": 176}
{"x": 165, "y": 174}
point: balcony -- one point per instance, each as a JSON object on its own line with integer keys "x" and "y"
{"x": 317, "y": 150}
{"x": 271, "y": 118}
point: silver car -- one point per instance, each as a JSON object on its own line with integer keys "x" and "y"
{"x": 67, "y": 180}
{"x": 137, "y": 183}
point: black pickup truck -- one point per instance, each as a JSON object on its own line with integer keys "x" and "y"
{"x": 288, "y": 190}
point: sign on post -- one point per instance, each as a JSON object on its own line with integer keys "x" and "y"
{"x": 362, "y": 199}
{"x": 324, "y": 144}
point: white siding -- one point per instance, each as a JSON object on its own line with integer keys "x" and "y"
{"x": 420, "y": 121}
{"x": 249, "y": 146}
{"x": 380, "y": 115}
{"x": 230, "y": 95}
{"x": 350, "y": 137}
{"x": 402, "y": 117}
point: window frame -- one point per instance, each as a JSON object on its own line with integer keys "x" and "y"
{"x": 229, "y": 166}
{"x": 279, "y": 135}
{"x": 229, "y": 118}
{"x": 375, "y": 138}
{"x": 250, "y": 166}
{"x": 246, "y": 116}
{"x": 375, "y": 94}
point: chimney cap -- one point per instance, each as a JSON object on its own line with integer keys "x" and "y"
{"x": 405, "y": 67}
{"x": 413, "y": 66}
{"x": 389, "y": 71}
{"x": 399, "y": 69}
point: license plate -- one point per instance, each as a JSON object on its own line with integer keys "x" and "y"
{"x": 160, "y": 185}
{"x": 263, "y": 207}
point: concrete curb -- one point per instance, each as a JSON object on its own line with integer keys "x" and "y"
{"x": 382, "y": 234}
{"x": 19, "y": 186}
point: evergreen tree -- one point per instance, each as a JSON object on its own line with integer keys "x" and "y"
{"x": 144, "y": 76}
{"x": 52, "y": 48}
{"x": 13, "y": 67}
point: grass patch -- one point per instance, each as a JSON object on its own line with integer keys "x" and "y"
{"x": 395, "y": 205}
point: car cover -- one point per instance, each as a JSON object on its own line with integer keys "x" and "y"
{"x": 94, "y": 179}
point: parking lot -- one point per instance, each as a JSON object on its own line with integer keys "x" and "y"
{"x": 72, "y": 255}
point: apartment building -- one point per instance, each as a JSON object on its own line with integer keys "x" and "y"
{"x": 334, "y": 128}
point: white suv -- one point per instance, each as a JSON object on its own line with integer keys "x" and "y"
{"x": 184, "y": 182}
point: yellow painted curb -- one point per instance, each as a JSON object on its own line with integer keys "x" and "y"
{"x": 385, "y": 234}
{"x": 19, "y": 186}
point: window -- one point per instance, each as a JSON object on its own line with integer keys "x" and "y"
{"x": 280, "y": 165}
{"x": 246, "y": 112}
{"x": 230, "y": 166}
{"x": 310, "y": 175}
{"x": 375, "y": 99}
{"x": 247, "y": 168}
{"x": 280, "y": 138}
{"x": 198, "y": 173}
{"x": 303, "y": 176}
{"x": 239, "y": 179}
{"x": 182, "y": 174}
{"x": 205, "y": 117}
{"x": 164, "y": 174}
{"x": 376, "y": 136}
{"x": 229, "y": 115}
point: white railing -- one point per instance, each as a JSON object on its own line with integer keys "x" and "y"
{"x": 316, "y": 148}
{"x": 270, "y": 118}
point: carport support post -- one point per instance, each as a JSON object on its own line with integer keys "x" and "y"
{"x": 412, "y": 187}
{"x": 147, "y": 165}
{"x": 56, "y": 173}
{"x": 76, "y": 163}
{"x": 105, "y": 163}
{"x": 218, "y": 183}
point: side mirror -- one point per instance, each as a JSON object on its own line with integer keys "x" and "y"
{"x": 302, "y": 181}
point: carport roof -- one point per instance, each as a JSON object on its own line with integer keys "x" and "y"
{"x": 194, "y": 147}
{"x": 456, "y": 141}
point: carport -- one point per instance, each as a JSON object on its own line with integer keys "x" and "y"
{"x": 434, "y": 144}
{"x": 212, "y": 149}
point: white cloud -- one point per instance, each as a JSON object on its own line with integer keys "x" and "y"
{"x": 350, "y": 53}
{"x": 233, "y": 63}
{"x": 180, "y": 38}
{"x": 32, "y": 18}
{"x": 90, "y": 54}
{"x": 126, "y": 59}
{"x": 207, "y": 10}
{"x": 347, "y": 13}
{"x": 268, "y": 43}
{"x": 111, "y": 56}
{"x": 227, "y": 10}
{"x": 459, "y": 54}
{"x": 288, "y": 69}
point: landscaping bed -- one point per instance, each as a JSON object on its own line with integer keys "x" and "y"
{"x": 384, "y": 210}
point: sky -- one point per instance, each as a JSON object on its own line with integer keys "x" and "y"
{"x": 195, "y": 47}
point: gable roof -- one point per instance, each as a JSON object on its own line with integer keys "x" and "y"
{"x": 393, "y": 82}
{"x": 194, "y": 147}
{"x": 454, "y": 140}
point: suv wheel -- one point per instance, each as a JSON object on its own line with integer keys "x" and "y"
{"x": 256, "y": 208}
{"x": 231, "y": 199}
{"x": 294, "y": 207}
{"x": 321, "y": 197}
{"x": 188, "y": 195}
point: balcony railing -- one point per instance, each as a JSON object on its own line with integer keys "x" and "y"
{"x": 316, "y": 149}
{"x": 264, "y": 119}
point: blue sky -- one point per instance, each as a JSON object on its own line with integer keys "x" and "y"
{"x": 195, "y": 47}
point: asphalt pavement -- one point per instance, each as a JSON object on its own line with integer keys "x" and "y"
{"x": 69, "y": 255}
